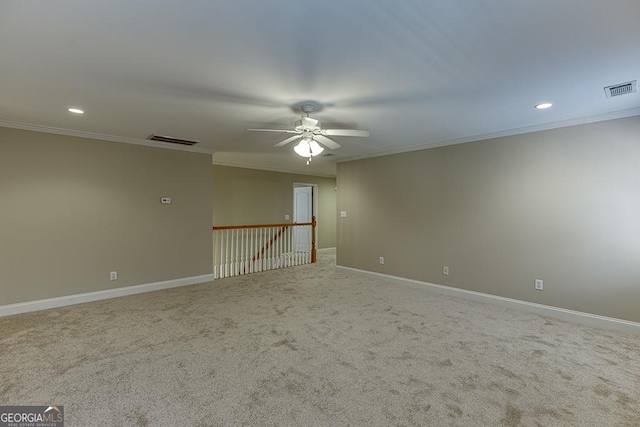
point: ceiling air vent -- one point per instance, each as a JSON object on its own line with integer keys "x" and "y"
{"x": 171, "y": 140}
{"x": 620, "y": 89}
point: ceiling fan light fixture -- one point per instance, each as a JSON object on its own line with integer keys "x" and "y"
{"x": 308, "y": 148}
{"x": 315, "y": 148}
{"x": 303, "y": 149}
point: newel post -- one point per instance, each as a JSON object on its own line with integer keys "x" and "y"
{"x": 313, "y": 239}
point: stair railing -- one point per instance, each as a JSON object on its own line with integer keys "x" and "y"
{"x": 244, "y": 249}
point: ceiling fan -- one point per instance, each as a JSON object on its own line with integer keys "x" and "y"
{"x": 313, "y": 136}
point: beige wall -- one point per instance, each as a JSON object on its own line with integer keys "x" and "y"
{"x": 560, "y": 205}
{"x": 249, "y": 196}
{"x": 74, "y": 209}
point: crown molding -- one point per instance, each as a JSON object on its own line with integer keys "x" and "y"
{"x": 101, "y": 136}
{"x": 508, "y": 132}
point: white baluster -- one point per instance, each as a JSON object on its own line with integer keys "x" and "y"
{"x": 247, "y": 251}
{"x": 254, "y": 251}
{"x": 229, "y": 260}
{"x": 233, "y": 254}
{"x": 289, "y": 254}
{"x": 290, "y": 246}
{"x": 307, "y": 255}
{"x": 215, "y": 255}
{"x": 240, "y": 258}
{"x": 221, "y": 253}
{"x": 300, "y": 245}
{"x": 231, "y": 257}
{"x": 266, "y": 249}
{"x": 226, "y": 253}
{"x": 270, "y": 243}
{"x": 265, "y": 254}
{"x": 243, "y": 255}
{"x": 251, "y": 251}
{"x": 218, "y": 254}
{"x": 258, "y": 246}
{"x": 265, "y": 234}
{"x": 284, "y": 247}
{"x": 237, "y": 252}
{"x": 280, "y": 260}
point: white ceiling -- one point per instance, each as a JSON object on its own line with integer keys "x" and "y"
{"x": 415, "y": 73}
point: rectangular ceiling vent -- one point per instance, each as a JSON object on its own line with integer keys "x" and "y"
{"x": 171, "y": 140}
{"x": 620, "y": 89}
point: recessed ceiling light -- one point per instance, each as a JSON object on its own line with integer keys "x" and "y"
{"x": 76, "y": 111}
{"x": 544, "y": 105}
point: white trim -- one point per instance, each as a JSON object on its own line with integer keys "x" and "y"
{"x": 327, "y": 249}
{"x": 580, "y": 317}
{"x": 45, "y": 304}
{"x": 499, "y": 134}
{"x": 103, "y": 137}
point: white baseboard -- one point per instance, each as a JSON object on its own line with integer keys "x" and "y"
{"x": 44, "y": 304}
{"x": 327, "y": 249}
{"x": 580, "y": 317}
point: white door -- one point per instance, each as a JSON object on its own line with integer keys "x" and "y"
{"x": 302, "y": 212}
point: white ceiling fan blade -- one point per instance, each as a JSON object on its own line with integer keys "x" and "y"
{"x": 326, "y": 142}
{"x": 345, "y": 132}
{"x": 273, "y": 130}
{"x": 288, "y": 140}
{"x": 308, "y": 122}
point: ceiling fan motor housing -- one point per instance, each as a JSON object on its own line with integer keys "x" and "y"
{"x": 307, "y": 124}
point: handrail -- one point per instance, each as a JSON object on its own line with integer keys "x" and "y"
{"x": 287, "y": 224}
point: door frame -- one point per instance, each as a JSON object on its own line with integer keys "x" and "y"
{"x": 314, "y": 201}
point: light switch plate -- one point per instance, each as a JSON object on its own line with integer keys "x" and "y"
{"x": 538, "y": 285}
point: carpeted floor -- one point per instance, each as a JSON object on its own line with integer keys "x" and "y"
{"x": 308, "y": 346}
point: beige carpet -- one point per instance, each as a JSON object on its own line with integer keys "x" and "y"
{"x": 307, "y": 346}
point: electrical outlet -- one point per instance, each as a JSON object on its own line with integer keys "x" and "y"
{"x": 538, "y": 285}
{"x": 445, "y": 270}
{"x": 381, "y": 260}
{"x": 113, "y": 275}
{"x": 166, "y": 200}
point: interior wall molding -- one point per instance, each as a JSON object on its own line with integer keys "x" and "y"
{"x": 573, "y": 316}
{"x": 508, "y": 132}
{"x": 45, "y": 304}
{"x": 102, "y": 137}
